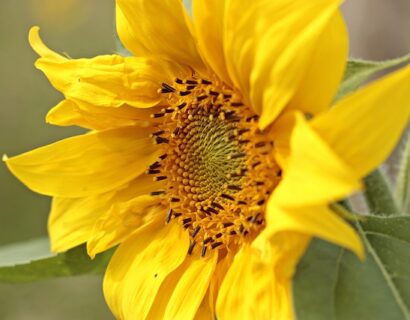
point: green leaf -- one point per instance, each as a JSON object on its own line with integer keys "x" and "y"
{"x": 378, "y": 194}
{"x": 403, "y": 179}
{"x": 32, "y": 260}
{"x": 359, "y": 71}
{"x": 331, "y": 283}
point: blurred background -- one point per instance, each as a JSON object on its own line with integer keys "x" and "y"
{"x": 378, "y": 29}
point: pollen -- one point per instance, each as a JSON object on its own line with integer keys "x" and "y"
{"x": 217, "y": 165}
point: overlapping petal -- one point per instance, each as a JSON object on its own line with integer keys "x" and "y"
{"x": 255, "y": 38}
{"x": 204, "y": 311}
{"x": 248, "y": 277}
{"x": 181, "y": 294}
{"x": 208, "y": 23}
{"x": 364, "y": 127}
{"x": 139, "y": 267}
{"x": 217, "y": 279}
{"x": 107, "y": 81}
{"x": 316, "y": 221}
{"x": 87, "y": 164}
{"x": 157, "y": 28}
{"x": 281, "y": 133}
{"x": 314, "y": 176}
{"x": 72, "y": 220}
{"x": 123, "y": 220}
{"x": 314, "y": 173}
{"x": 82, "y": 114}
{"x": 262, "y": 273}
{"x": 191, "y": 288}
{"x": 164, "y": 293}
{"x": 325, "y": 69}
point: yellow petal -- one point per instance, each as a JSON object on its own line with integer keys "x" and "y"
{"x": 208, "y": 18}
{"x": 317, "y": 221}
{"x": 108, "y": 81}
{"x": 126, "y": 33}
{"x": 72, "y": 220}
{"x": 314, "y": 173}
{"x": 252, "y": 290}
{"x": 67, "y": 113}
{"x": 40, "y": 48}
{"x": 138, "y": 268}
{"x": 164, "y": 293}
{"x": 87, "y": 164}
{"x": 204, "y": 311}
{"x": 157, "y": 28}
{"x": 220, "y": 272}
{"x": 247, "y": 290}
{"x": 283, "y": 251}
{"x": 269, "y": 47}
{"x": 322, "y": 78}
{"x": 364, "y": 127}
{"x": 123, "y": 220}
{"x": 191, "y": 288}
{"x": 281, "y": 133}
{"x": 284, "y": 248}
{"x": 172, "y": 285}
{"x": 76, "y": 113}
{"x": 255, "y": 286}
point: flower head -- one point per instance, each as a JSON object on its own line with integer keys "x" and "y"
{"x": 212, "y": 157}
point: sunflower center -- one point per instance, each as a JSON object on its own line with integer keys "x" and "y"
{"x": 217, "y": 165}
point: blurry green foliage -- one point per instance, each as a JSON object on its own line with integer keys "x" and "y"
{"x": 32, "y": 261}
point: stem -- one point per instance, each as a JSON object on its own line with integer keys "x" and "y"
{"x": 403, "y": 180}
{"x": 378, "y": 194}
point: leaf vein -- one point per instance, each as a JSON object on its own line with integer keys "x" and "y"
{"x": 385, "y": 274}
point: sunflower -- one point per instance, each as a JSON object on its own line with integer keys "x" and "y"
{"x": 213, "y": 155}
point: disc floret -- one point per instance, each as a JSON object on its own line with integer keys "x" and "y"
{"x": 217, "y": 165}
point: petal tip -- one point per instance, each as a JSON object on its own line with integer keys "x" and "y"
{"x": 38, "y": 45}
{"x": 92, "y": 244}
{"x": 263, "y": 122}
{"x": 34, "y": 37}
{"x": 91, "y": 251}
{"x": 56, "y": 247}
{"x": 360, "y": 252}
{"x": 34, "y": 32}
